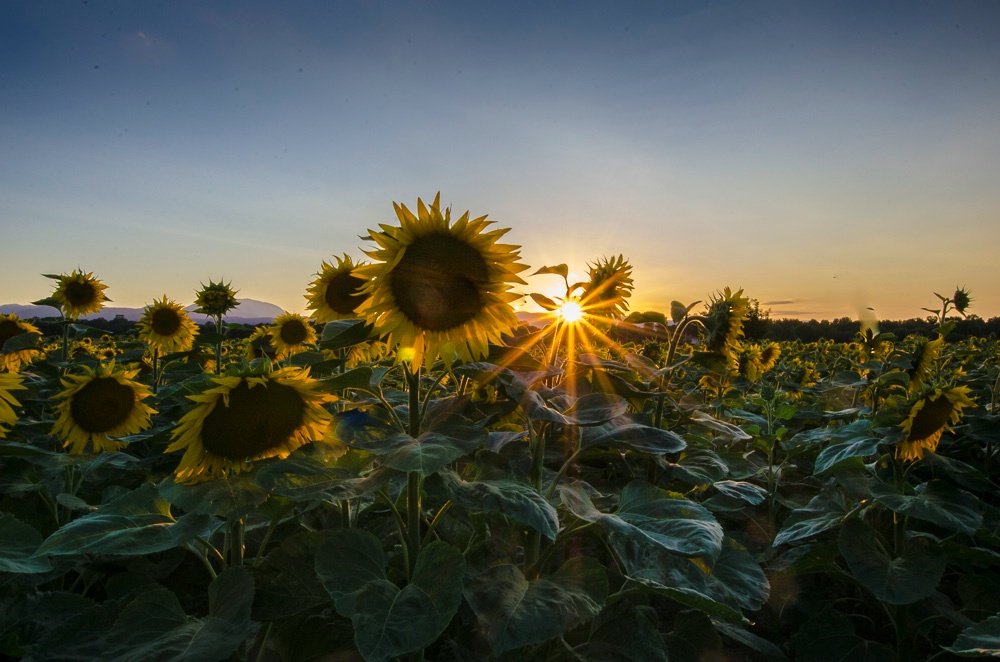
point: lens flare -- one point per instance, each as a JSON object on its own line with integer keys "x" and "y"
{"x": 570, "y": 311}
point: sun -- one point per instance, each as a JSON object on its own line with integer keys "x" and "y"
{"x": 570, "y": 311}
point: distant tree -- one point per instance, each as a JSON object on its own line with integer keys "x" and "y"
{"x": 758, "y": 322}
{"x": 646, "y": 316}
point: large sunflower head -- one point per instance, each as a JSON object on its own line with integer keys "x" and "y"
{"x": 215, "y": 299}
{"x": 11, "y": 327}
{"x": 9, "y": 381}
{"x": 929, "y": 416}
{"x": 79, "y": 294}
{"x": 249, "y": 417}
{"x": 440, "y": 288}
{"x": 291, "y": 332}
{"x": 166, "y": 327}
{"x": 336, "y": 292}
{"x": 723, "y": 323}
{"x": 924, "y": 355}
{"x": 608, "y": 287}
{"x": 103, "y": 402}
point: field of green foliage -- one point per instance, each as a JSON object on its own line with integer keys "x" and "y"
{"x": 411, "y": 474}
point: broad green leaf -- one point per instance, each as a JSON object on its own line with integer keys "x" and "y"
{"x": 831, "y": 638}
{"x": 643, "y": 438}
{"x": 559, "y": 269}
{"x": 623, "y": 632}
{"x": 596, "y": 408}
{"x": 430, "y": 451}
{"x": 750, "y": 640}
{"x": 964, "y": 474}
{"x": 824, "y": 511}
{"x": 545, "y": 302}
{"x": 979, "y": 640}
{"x": 515, "y": 612}
{"x": 286, "y": 580}
{"x": 697, "y": 466}
{"x": 232, "y": 496}
{"x": 315, "y": 471}
{"x": 738, "y": 577}
{"x": 748, "y": 492}
{"x": 903, "y": 580}
{"x": 689, "y": 598}
{"x": 136, "y": 523}
{"x": 20, "y": 342}
{"x": 154, "y": 626}
{"x": 339, "y": 334}
{"x": 653, "y": 517}
{"x": 514, "y": 499}
{"x": 18, "y": 543}
{"x": 833, "y": 454}
{"x": 935, "y": 501}
{"x": 345, "y": 562}
{"x": 727, "y": 431}
{"x": 359, "y": 378}
{"x": 693, "y": 638}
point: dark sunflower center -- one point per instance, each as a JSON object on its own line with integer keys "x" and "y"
{"x": 293, "y": 332}
{"x": 102, "y": 405}
{"x": 257, "y": 419}
{"x": 165, "y": 322}
{"x": 932, "y": 417}
{"x": 9, "y": 329}
{"x": 341, "y": 293}
{"x": 437, "y": 283}
{"x": 80, "y": 294}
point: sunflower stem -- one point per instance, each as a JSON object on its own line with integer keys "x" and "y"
{"x": 156, "y": 370}
{"x": 65, "y": 339}
{"x": 413, "y": 477}
{"x": 537, "y": 445}
{"x": 218, "y": 345}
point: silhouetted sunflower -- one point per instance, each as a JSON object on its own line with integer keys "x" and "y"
{"x": 291, "y": 332}
{"x": 11, "y": 327}
{"x": 723, "y": 324}
{"x": 923, "y": 358}
{"x": 249, "y": 417}
{"x": 608, "y": 287}
{"x": 961, "y": 299}
{"x": 9, "y": 381}
{"x": 215, "y": 299}
{"x": 930, "y": 415}
{"x": 336, "y": 292}
{"x": 102, "y": 403}
{"x": 166, "y": 327}
{"x": 438, "y": 288}
{"x": 79, "y": 294}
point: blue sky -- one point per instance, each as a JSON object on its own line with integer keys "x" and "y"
{"x": 826, "y": 157}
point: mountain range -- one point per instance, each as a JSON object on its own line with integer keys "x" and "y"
{"x": 248, "y": 311}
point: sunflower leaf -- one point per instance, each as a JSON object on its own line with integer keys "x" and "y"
{"x": 509, "y": 497}
{"x": 516, "y": 612}
{"x": 234, "y": 496}
{"x": 935, "y": 501}
{"x": 834, "y": 454}
{"x": 978, "y": 640}
{"x": 286, "y": 581}
{"x": 824, "y": 511}
{"x": 18, "y": 543}
{"x": 639, "y": 437}
{"x": 559, "y": 269}
{"x": 19, "y": 342}
{"x": 339, "y": 334}
{"x": 545, "y": 302}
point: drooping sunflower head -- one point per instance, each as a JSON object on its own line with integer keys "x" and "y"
{"x": 79, "y": 294}
{"x": 608, "y": 287}
{"x": 440, "y": 288}
{"x": 748, "y": 363}
{"x": 258, "y": 345}
{"x": 12, "y": 327}
{"x": 291, "y": 332}
{"x": 336, "y": 292}
{"x": 101, "y": 403}
{"x": 166, "y": 327}
{"x": 769, "y": 356}
{"x": 930, "y": 415}
{"x": 249, "y": 417}
{"x": 9, "y": 381}
{"x": 723, "y": 322}
{"x": 215, "y": 299}
{"x": 367, "y": 352}
{"x": 924, "y": 355}
{"x": 961, "y": 299}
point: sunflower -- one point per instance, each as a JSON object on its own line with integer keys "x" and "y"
{"x": 923, "y": 358}
{"x": 291, "y": 332}
{"x": 440, "y": 289}
{"x": 105, "y": 402}
{"x": 723, "y": 324}
{"x": 336, "y": 292}
{"x": 259, "y": 345}
{"x": 961, "y": 299}
{"x": 8, "y": 382}
{"x": 79, "y": 294}
{"x": 11, "y": 327}
{"x": 609, "y": 284}
{"x": 215, "y": 299}
{"x": 166, "y": 327}
{"x": 249, "y": 417}
{"x": 929, "y": 416}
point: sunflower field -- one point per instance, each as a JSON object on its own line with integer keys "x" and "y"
{"x": 411, "y": 473}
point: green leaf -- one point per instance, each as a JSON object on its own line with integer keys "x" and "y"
{"x": 388, "y": 621}
{"x": 515, "y": 612}
{"x": 516, "y": 500}
{"x": 697, "y": 466}
{"x": 639, "y": 437}
{"x": 824, "y": 511}
{"x": 750, "y": 640}
{"x": 20, "y": 342}
{"x": 748, "y": 492}
{"x": 136, "y": 523}
{"x": 831, "y": 638}
{"x": 833, "y": 454}
{"x": 912, "y": 576}
{"x": 689, "y": 597}
{"x": 339, "y": 334}
{"x": 154, "y": 626}
{"x": 51, "y": 302}
{"x": 964, "y": 474}
{"x": 623, "y": 632}
{"x": 559, "y": 270}
{"x": 935, "y": 501}
{"x": 727, "y": 431}
{"x": 652, "y": 516}
{"x": 978, "y": 640}
{"x": 232, "y": 496}
{"x": 286, "y": 580}
{"x": 319, "y": 471}
{"x": 18, "y": 543}
{"x": 359, "y": 378}
{"x": 432, "y": 450}
{"x": 596, "y": 408}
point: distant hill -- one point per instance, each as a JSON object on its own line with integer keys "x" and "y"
{"x": 249, "y": 311}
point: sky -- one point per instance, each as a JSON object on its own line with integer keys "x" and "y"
{"x": 826, "y": 157}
